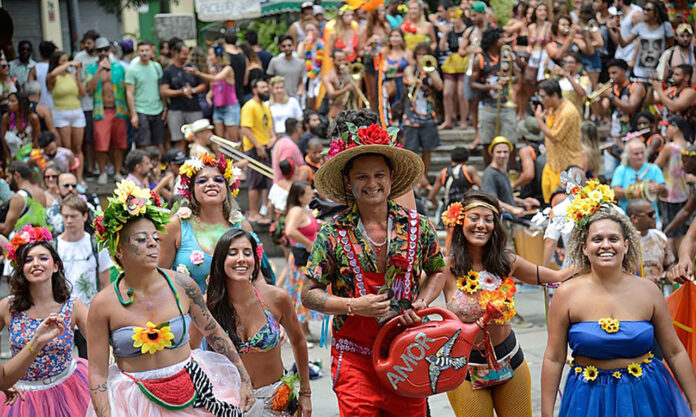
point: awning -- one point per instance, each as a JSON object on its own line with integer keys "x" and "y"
{"x": 284, "y": 6}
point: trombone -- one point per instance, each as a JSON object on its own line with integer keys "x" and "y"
{"x": 230, "y": 149}
{"x": 506, "y": 78}
{"x": 356, "y": 73}
{"x": 596, "y": 95}
{"x": 427, "y": 64}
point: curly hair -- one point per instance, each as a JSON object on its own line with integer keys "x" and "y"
{"x": 218, "y": 301}
{"x": 496, "y": 255}
{"x": 578, "y": 237}
{"x": 19, "y": 286}
{"x": 362, "y": 117}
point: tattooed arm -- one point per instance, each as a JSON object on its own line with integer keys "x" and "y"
{"x": 98, "y": 352}
{"x": 315, "y": 297}
{"x": 215, "y": 335}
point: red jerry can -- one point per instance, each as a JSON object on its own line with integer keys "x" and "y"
{"x": 429, "y": 358}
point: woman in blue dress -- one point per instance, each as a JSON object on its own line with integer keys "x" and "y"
{"x": 610, "y": 318}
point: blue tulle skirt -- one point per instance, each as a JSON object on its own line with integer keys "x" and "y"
{"x": 617, "y": 393}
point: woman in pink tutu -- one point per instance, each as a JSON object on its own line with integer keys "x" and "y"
{"x": 55, "y": 384}
{"x": 145, "y": 316}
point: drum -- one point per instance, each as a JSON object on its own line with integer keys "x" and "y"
{"x": 429, "y": 358}
{"x": 640, "y": 189}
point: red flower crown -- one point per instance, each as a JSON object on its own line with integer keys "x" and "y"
{"x": 29, "y": 234}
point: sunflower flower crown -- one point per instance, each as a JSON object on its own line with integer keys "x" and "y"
{"x": 587, "y": 201}
{"x": 684, "y": 152}
{"x": 29, "y": 234}
{"x": 230, "y": 173}
{"x": 373, "y": 134}
{"x": 128, "y": 202}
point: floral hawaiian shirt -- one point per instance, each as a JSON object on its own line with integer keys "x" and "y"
{"x": 118, "y": 77}
{"x": 329, "y": 265}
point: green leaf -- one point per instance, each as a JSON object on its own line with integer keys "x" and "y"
{"x": 159, "y": 326}
{"x": 393, "y": 131}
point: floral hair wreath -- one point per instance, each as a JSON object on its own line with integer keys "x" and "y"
{"x": 454, "y": 215}
{"x": 688, "y": 153}
{"x": 128, "y": 202}
{"x": 29, "y": 234}
{"x": 587, "y": 200}
{"x": 231, "y": 173}
{"x": 373, "y": 134}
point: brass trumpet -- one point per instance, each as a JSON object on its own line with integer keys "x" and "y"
{"x": 230, "y": 149}
{"x": 596, "y": 95}
{"x": 506, "y": 76}
{"x": 427, "y": 64}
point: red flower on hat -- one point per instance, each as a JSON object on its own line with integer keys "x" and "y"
{"x": 336, "y": 147}
{"x": 374, "y": 135}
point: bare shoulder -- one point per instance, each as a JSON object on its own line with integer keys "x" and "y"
{"x": 102, "y": 303}
{"x": 5, "y": 308}
{"x": 576, "y": 285}
{"x": 174, "y": 224}
{"x": 274, "y": 294}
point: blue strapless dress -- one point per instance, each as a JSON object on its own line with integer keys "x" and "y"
{"x": 649, "y": 392}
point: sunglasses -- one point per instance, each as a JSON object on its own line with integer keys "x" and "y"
{"x": 50, "y": 177}
{"x": 4, "y": 66}
{"x": 103, "y": 49}
{"x": 650, "y": 214}
{"x": 67, "y": 186}
{"x": 217, "y": 179}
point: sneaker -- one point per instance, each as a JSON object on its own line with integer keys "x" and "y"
{"x": 263, "y": 211}
{"x": 118, "y": 177}
{"x": 103, "y": 178}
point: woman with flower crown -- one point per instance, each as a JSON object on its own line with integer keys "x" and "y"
{"x": 610, "y": 318}
{"x": 209, "y": 185}
{"x": 479, "y": 271}
{"x": 41, "y": 316}
{"x": 145, "y": 317}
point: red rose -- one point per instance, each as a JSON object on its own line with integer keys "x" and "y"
{"x": 374, "y": 135}
{"x": 98, "y": 226}
{"x": 155, "y": 199}
{"x": 400, "y": 262}
{"x": 336, "y": 147}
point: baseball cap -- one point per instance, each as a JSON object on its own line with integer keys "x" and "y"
{"x": 317, "y": 9}
{"x": 126, "y": 45}
{"x": 307, "y": 5}
{"x": 478, "y": 6}
{"x": 101, "y": 42}
{"x": 175, "y": 156}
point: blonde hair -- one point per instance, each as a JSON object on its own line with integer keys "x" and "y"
{"x": 578, "y": 237}
{"x": 277, "y": 80}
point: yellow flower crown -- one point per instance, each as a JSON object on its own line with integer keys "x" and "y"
{"x": 684, "y": 152}
{"x": 188, "y": 170}
{"x": 587, "y": 201}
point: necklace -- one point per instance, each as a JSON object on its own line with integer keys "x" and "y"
{"x": 377, "y": 246}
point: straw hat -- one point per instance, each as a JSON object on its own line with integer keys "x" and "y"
{"x": 407, "y": 166}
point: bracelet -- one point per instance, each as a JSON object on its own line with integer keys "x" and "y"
{"x": 32, "y": 351}
{"x": 538, "y": 280}
{"x": 305, "y": 393}
{"x": 350, "y": 310}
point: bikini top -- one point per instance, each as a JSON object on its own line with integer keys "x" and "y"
{"x": 267, "y": 337}
{"x": 122, "y": 338}
{"x": 590, "y": 339}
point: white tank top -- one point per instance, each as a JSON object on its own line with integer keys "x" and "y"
{"x": 626, "y": 53}
{"x": 41, "y": 71}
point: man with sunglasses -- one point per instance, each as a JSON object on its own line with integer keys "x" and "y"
{"x": 23, "y": 68}
{"x": 67, "y": 187}
{"x": 105, "y": 80}
{"x": 656, "y": 253}
{"x": 293, "y": 69}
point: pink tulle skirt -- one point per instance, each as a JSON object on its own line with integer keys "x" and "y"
{"x": 69, "y": 398}
{"x": 127, "y": 400}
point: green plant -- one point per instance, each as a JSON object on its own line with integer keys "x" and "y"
{"x": 268, "y": 29}
{"x": 503, "y": 9}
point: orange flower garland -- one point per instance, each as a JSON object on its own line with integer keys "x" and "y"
{"x": 502, "y": 297}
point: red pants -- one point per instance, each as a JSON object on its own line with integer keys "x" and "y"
{"x": 361, "y": 394}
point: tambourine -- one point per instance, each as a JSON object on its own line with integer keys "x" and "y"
{"x": 429, "y": 358}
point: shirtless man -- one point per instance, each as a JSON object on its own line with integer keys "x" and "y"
{"x": 342, "y": 93}
{"x": 470, "y": 46}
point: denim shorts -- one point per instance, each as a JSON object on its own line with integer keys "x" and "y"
{"x": 592, "y": 63}
{"x": 228, "y": 115}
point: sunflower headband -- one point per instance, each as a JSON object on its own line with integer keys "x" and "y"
{"x": 128, "y": 202}
{"x": 29, "y": 234}
{"x": 587, "y": 201}
{"x": 454, "y": 215}
{"x": 231, "y": 173}
{"x": 684, "y": 152}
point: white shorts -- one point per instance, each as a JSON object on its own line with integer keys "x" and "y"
{"x": 72, "y": 118}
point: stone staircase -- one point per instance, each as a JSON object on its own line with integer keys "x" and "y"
{"x": 450, "y": 139}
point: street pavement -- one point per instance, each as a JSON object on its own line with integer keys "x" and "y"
{"x": 529, "y": 302}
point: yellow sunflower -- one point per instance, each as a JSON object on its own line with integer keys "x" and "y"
{"x": 578, "y": 369}
{"x": 609, "y": 325}
{"x": 647, "y": 361}
{"x": 127, "y": 188}
{"x": 616, "y": 375}
{"x": 152, "y": 338}
{"x": 461, "y": 284}
{"x": 635, "y": 369}
{"x": 590, "y": 373}
{"x": 471, "y": 286}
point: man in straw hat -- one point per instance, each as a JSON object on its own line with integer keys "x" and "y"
{"x": 373, "y": 255}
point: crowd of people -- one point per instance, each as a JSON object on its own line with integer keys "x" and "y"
{"x": 584, "y": 115}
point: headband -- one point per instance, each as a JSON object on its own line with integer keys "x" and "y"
{"x": 454, "y": 215}
{"x": 29, "y": 234}
{"x": 190, "y": 168}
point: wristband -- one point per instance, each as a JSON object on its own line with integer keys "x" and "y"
{"x": 350, "y": 310}
{"x": 32, "y": 351}
{"x": 305, "y": 393}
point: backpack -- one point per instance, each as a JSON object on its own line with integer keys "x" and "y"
{"x": 455, "y": 183}
{"x": 33, "y": 213}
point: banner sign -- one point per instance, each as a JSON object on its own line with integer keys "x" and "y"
{"x": 219, "y": 10}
